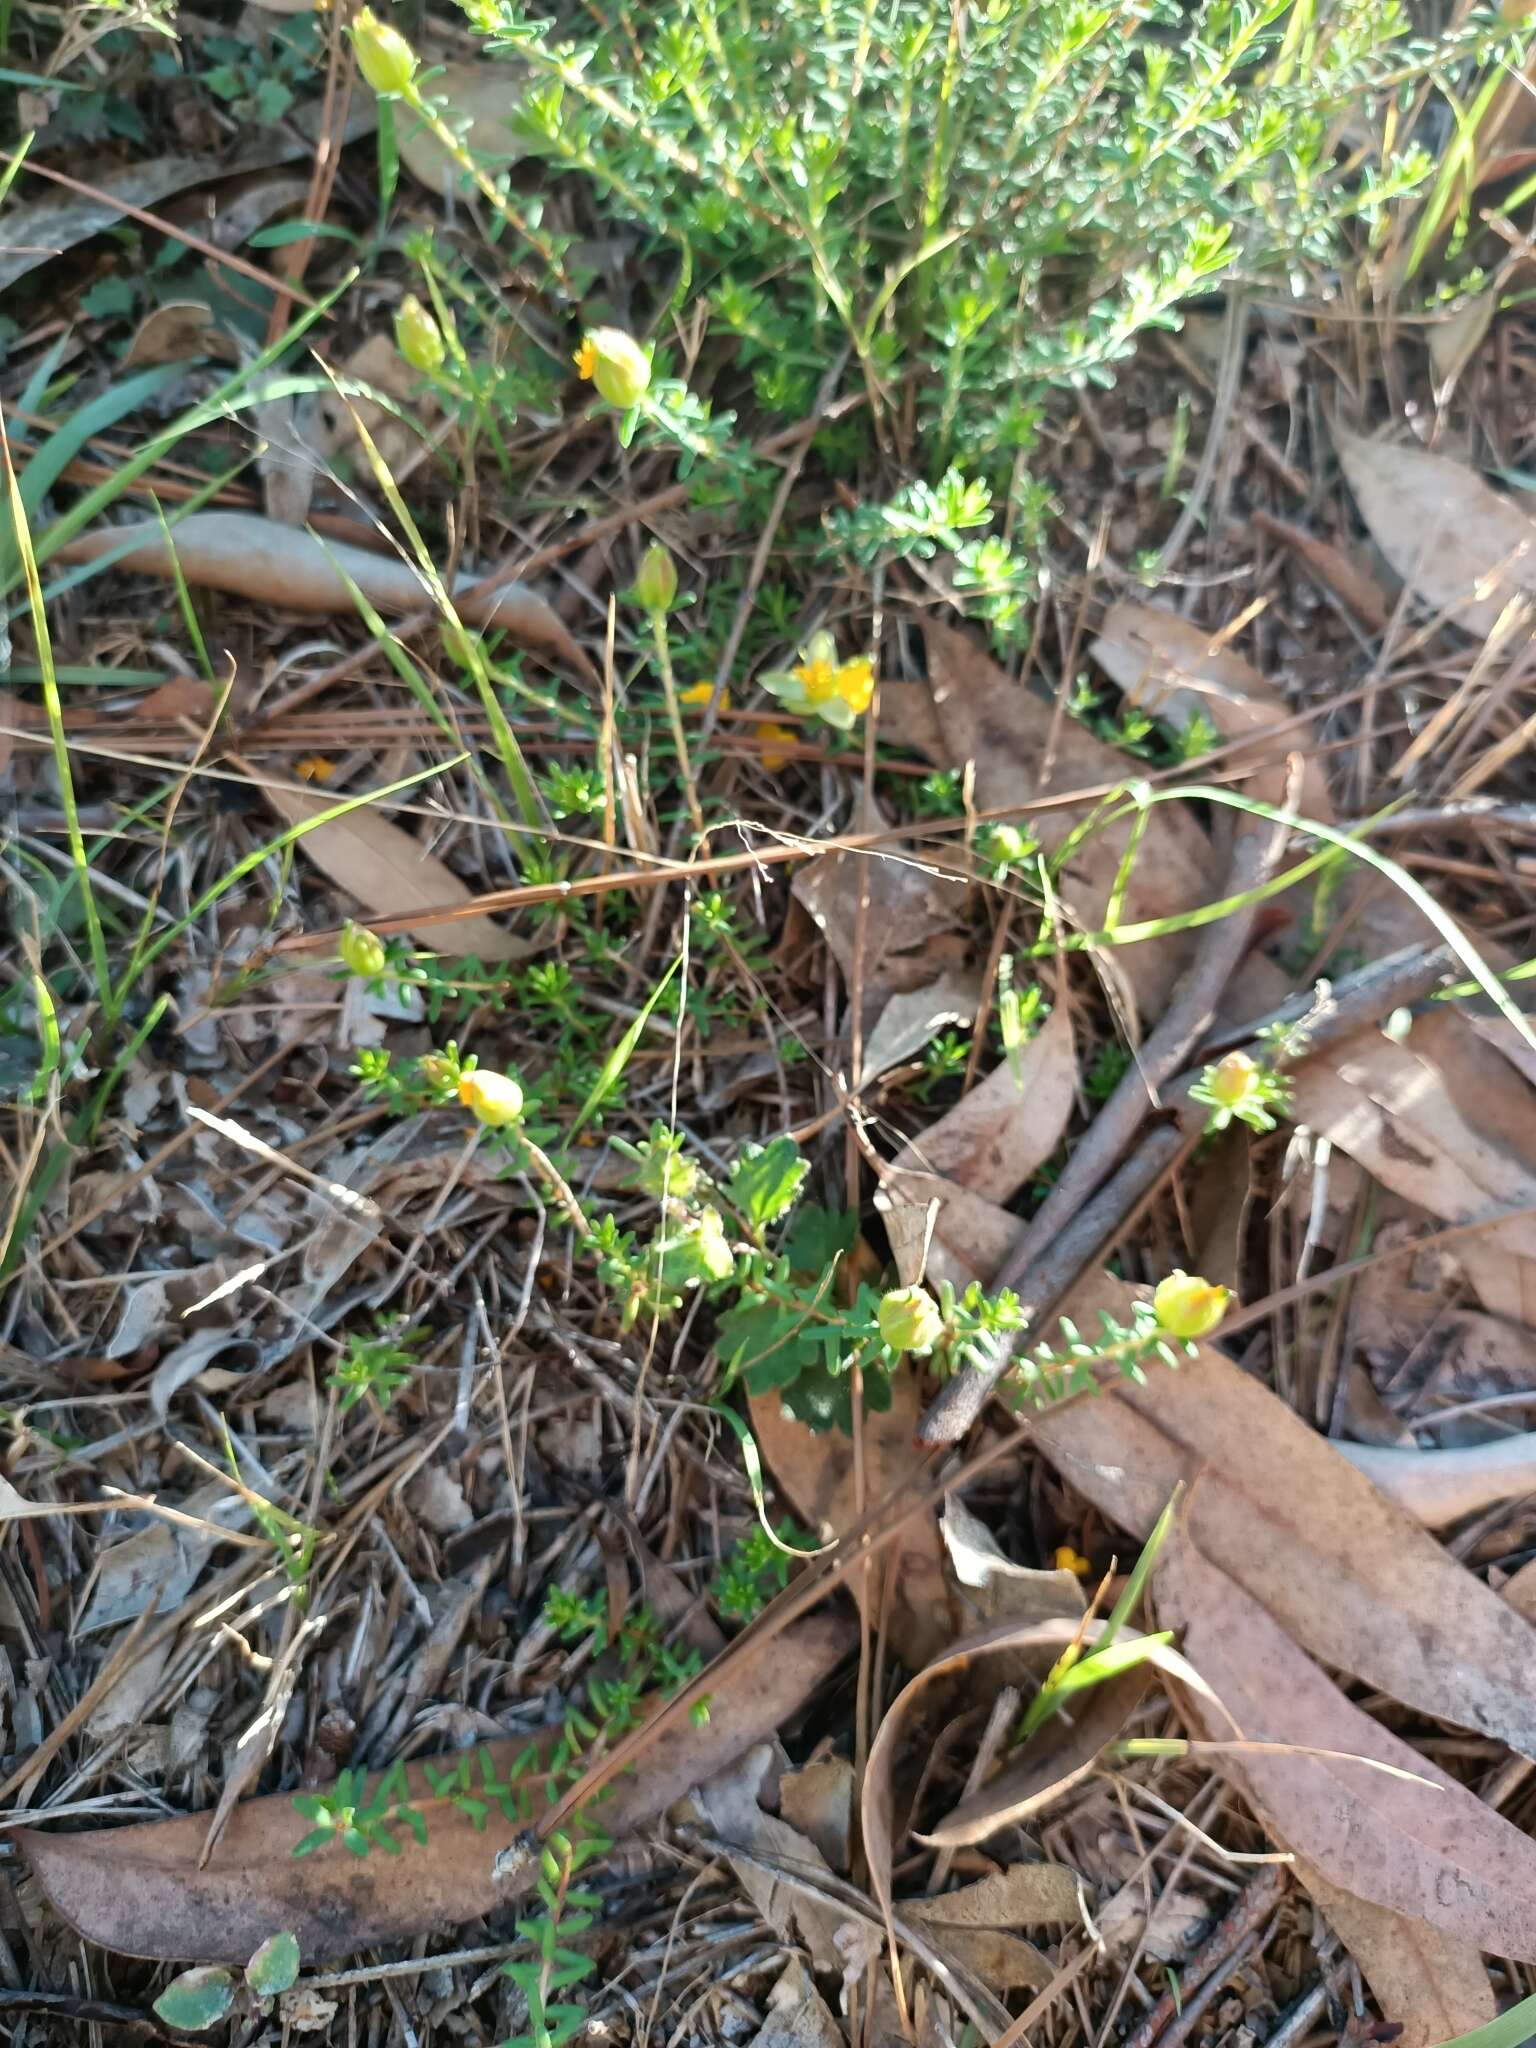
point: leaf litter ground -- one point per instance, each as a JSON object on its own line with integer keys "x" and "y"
{"x": 1349, "y": 1578}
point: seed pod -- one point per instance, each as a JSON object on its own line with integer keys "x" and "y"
{"x": 384, "y": 57}
{"x": 418, "y": 336}
{"x": 909, "y": 1320}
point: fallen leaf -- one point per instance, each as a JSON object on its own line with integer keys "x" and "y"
{"x": 1001, "y": 1589}
{"x": 986, "y": 1147}
{"x": 1344, "y": 1570}
{"x": 906, "y": 1588}
{"x": 1438, "y": 1488}
{"x": 1457, "y": 335}
{"x": 1432, "y": 1852}
{"x": 483, "y": 98}
{"x": 909, "y": 903}
{"x": 1461, "y": 547}
{"x": 180, "y": 332}
{"x": 1332, "y": 567}
{"x": 1431, "y": 1986}
{"x": 1177, "y": 1919}
{"x": 386, "y": 870}
{"x": 278, "y": 565}
{"x": 729, "y": 1804}
{"x": 908, "y": 1022}
{"x": 1024, "y": 1895}
{"x": 818, "y": 1800}
{"x": 378, "y": 363}
{"x": 335, "y": 1903}
{"x": 973, "y": 713}
{"x": 1173, "y": 669}
{"x": 798, "y": 2015}
{"x": 1002, "y": 1961}
{"x": 1062, "y": 1754}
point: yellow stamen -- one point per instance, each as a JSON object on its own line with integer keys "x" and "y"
{"x": 818, "y": 679}
{"x": 585, "y": 359}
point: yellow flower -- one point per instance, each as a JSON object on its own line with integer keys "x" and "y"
{"x": 616, "y": 363}
{"x": 1233, "y": 1078}
{"x": 768, "y": 732}
{"x": 836, "y": 691}
{"x": 495, "y": 1099}
{"x": 855, "y": 683}
{"x": 1189, "y": 1307}
{"x": 818, "y": 679}
{"x": 1069, "y": 1560}
{"x": 700, "y": 694}
{"x": 314, "y": 768}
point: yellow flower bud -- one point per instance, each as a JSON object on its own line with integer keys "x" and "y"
{"x": 418, "y": 336}
{"x": 495, "y": 1099}
{"x": 616, "y": 363}
{"x": 1189, "y": 1307}
{"x": 384, "y": 57}
{"x": 656, "y": 585}
{"x": 362, "y": 951}
{"x": 1232, "y": 1079}
{"x": 909, "y": 1320}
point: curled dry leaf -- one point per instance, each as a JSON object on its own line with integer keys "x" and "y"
{"x": 818, "y": 1800}
{"x": 1056, "y": 1740}
{"x": 1440, "y": 1487}
{"x": 180, "y": 332}
{"x": 1430, "y": 1985}
{"x": 908, "y": 1022}
{"x": 335, "y": 1903}
{"x": 729, "y": 1803}
{"x": 278, "y": 565}
{"x": 1024, "y": 1895}
{"x": 909, "y": 904}
{"x": 385, "y": 869}
{"x": 1461, "y": 547}
{"x": 1429, "y": 1851}
{"x": 1000, "y": 1589}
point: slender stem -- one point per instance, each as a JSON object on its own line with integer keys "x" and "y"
{"x": 675, "y": 715}
{"x": 438, "y": 128}
{"x": 555, "y": 1181}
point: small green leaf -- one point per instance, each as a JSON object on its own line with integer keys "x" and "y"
{"x": 274, "y": 1966}
{"x": 765, "y": 1181}
{"x": 197, "y": 1999}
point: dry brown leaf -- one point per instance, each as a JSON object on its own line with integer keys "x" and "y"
{"x": 1173, "y": 669}
{"x": 1000, "y": 1589}
{"x": 909, "y": 1021}
{"x": 1058, "y": 1757}
{"x": 1024, "y": 1895}
{"x": 729, "y": 1804}
{"x": 386, "y": 870}
{"x": 909, "y": 903}
{"x": 378, "y": 362}
{"x": 987, "y": 1146}
{"x": 1461, "y": 547}
{"x": 1439, "y": 1487}
{"x": 177, "y": 332}
{"x": 484, "y": 97}
{"x": 1431, "y": 1986}
{"x": 983, "y": 717}
{"x": 278, "y": 565}
{"x": 1457, "y": 335}
{"x": 818, "y": 1800}
{"x": 816, "y": 1476}
{"x": 798, "y": 2015}
{"x": 1333, "y": 568}
{"x": 1344, "y": 1570}
{"x": 1432, "y": 1852}
{"x": 335, "y": 1903}
{"x": 1002, "y": 1961}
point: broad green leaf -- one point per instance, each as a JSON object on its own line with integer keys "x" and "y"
{"x": 275, "y": 1965}
{"x": 765, "y": 1181}
{"x": 197, "y": 1999}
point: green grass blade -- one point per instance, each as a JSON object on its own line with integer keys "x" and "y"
{"x": 48, "y": 1032}
{"x": 1140, "y": 1572}
{"x": 1511, "y": 2029}
{"x": 619, "y": 1058}
{"x": 54, "y": 708}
